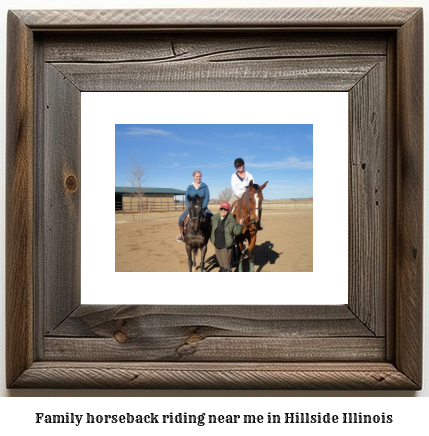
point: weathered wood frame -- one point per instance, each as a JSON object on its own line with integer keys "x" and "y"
{"x": 374, "y": 342}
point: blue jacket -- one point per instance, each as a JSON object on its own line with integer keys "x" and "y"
{"x": 203, "y": 190}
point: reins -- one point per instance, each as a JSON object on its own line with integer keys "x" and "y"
{"x": 248, "y": 224}
{"x": 199, "y": 219}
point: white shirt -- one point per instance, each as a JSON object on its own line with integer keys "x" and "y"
{"x": 238, "y": 186}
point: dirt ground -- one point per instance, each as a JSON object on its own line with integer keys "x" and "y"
{"x": 285, "y": 244}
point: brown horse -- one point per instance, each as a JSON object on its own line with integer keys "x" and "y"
{"x": 249, "y": 207}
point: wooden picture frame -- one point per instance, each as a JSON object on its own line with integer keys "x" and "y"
{"x": 373, "y": 342}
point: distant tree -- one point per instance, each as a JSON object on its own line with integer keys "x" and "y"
{"x": 135, "y": 175}
{"x": 225, "y": 195}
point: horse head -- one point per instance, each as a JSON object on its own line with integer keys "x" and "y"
{"x": 255, "y": 198}
{"x": 195, "y": 211}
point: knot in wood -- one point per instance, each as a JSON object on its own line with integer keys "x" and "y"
{"x": 70, "y": 183}
{"x": 120, "y": 337}
{"x": 192, "y": 338}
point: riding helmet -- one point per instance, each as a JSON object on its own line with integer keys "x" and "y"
{"x": 238, "y": 162}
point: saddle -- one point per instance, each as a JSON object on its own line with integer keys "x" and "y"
{"x": 234, "y": 206}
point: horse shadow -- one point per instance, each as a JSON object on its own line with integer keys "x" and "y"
{"x": 211, "y": 263}
{"x": 264, "y": 254}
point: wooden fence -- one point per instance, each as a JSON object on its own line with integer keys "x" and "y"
{"x": 150, "y": 207}
{"x": 166, "y": 206}
{"x": 267, "y": 205}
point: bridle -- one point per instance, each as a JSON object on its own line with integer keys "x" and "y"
{"x": 198, "y": 218}
{"x": 248, "y": 222}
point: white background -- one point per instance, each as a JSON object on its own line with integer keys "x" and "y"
{"x": 327, "y": 284}
{"x": 19, "y": 412}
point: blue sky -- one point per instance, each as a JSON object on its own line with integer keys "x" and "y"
{"x": 169, "y": 153}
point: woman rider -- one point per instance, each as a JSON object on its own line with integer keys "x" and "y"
{"x": 201, "y": 190}
{"x": 239, "y": 183}
{"x": 223, "y": 226}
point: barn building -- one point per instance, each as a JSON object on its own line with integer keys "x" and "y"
{"x": 152, "y": 199}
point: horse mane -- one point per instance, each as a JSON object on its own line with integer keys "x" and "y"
{"x": 243, "y": 202}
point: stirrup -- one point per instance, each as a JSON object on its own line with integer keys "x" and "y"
{"x": 180, "y": 238}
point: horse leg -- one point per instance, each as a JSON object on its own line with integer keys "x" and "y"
{"x": 203, "y": 256}
{"x": 252, "y": 243}
{"x": 189, "y": 252}
{"x": 240, "y": 256}
{"x": 194, "y": 265}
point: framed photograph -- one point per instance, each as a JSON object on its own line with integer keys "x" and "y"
{"x": 55, "y": 340}
{"x": 282, "y": 154}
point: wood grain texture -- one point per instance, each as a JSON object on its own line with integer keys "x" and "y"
{"x": 214, "y": 333}
{"x": 409, "y": 279}
{"x": 61, "y": 207}
{"x": 368, "y": 202}
{"x": 330, "y": 74}
{"x": 378, "y": 376}
{"x": 229, "y": 62}
{"x": 207, "y": 18}
{"x": 190, "y": 347}
{"x": 227, "y": 46}
{"x": 391, "y": 193}
{"x": 19, "y": 200}
{"x": 99, "y": 321}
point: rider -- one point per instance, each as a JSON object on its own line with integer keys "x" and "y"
{"x": 199, "y": 188}
{"x": 239, "y": 182}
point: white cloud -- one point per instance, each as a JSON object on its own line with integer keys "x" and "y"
{"x": 145, "y": 131}
{"x": 290, "y": 163}
{"x": 177, "y": 155}
{"x": 247, "y": 135}
{"x": 252, "y": 135}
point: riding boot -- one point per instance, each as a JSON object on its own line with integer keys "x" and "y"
{"x": 180, "y": 237}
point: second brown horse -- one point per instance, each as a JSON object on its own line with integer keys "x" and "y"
{"x": 249, "y": 207}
